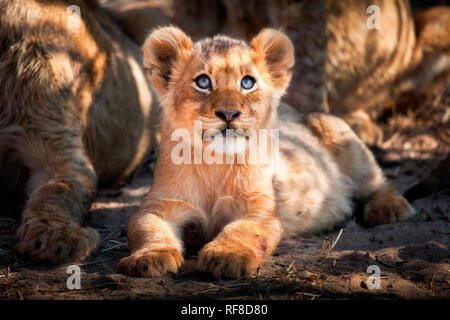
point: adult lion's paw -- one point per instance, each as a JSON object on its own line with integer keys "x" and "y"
{"x": 230, "y": 260}
{"x": 151, "y": 262}
{"x": 55, "y": 240}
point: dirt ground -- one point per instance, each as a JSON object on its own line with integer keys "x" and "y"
{"x": 413, "y": 256}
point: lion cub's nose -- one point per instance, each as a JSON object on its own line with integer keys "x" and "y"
{"x": 228, "y": 116}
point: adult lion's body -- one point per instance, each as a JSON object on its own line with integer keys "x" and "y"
{"x": 241, "y": 205}
{"x": 74, "y": 113}
{"x": 381, "y": 57}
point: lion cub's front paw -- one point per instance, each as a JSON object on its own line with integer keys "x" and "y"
{"x": 55, "y": 240}
{"x": 228, "y": 259}
{"x": 151, "y": 262}
{"x": 387, "y": 206}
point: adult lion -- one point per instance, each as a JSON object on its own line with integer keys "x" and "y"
{"x": 74, "y": 114}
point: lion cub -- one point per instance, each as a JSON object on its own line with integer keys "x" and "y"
{"x": 242, "y": 209}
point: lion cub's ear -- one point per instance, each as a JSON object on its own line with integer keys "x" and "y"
{"x": 162, "y": 49}
{"x": 277, "y": 52}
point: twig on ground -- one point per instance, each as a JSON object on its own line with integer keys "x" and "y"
{"x": 110, "y": 235}
{"x": 290, "y": 266}
{"x": 96, "y": 262}
{"x": 4, "y": 252}
{"x": 114, "y": 247}
{"x": 334, "y": 242}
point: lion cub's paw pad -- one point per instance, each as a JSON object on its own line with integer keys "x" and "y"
{"x": 151, "y": 262}
{"x": 229, "y": 261}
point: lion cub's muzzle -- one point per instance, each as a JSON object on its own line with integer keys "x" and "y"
{"x": 228, "y": 116}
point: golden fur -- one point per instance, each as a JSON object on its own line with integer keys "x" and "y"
{"x": 241, "y": 211}
{"x": 74, "y": 114}
{"x": 368, "y": 71}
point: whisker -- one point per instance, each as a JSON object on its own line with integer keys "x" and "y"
{"x": 207, "y": 119}
{"x": 244, "y": 123}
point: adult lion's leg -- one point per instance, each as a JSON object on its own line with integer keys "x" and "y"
{"x": 61, "y": 189}
{"x": 382, "y": 202}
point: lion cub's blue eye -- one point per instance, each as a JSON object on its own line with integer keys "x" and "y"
{"x": 203, "y": 82}
{"x": 247, "y": 82}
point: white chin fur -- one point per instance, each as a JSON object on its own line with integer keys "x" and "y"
{"x": 230, "y": 144}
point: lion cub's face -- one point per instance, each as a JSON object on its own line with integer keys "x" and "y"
{"x": 224, "y": 83}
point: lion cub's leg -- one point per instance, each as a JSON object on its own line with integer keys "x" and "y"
{"x": 61, "y": 188}
{"x": 240, "y": 248}
{"x": 156, "y": 247}
{"x": 383, "y": 203}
